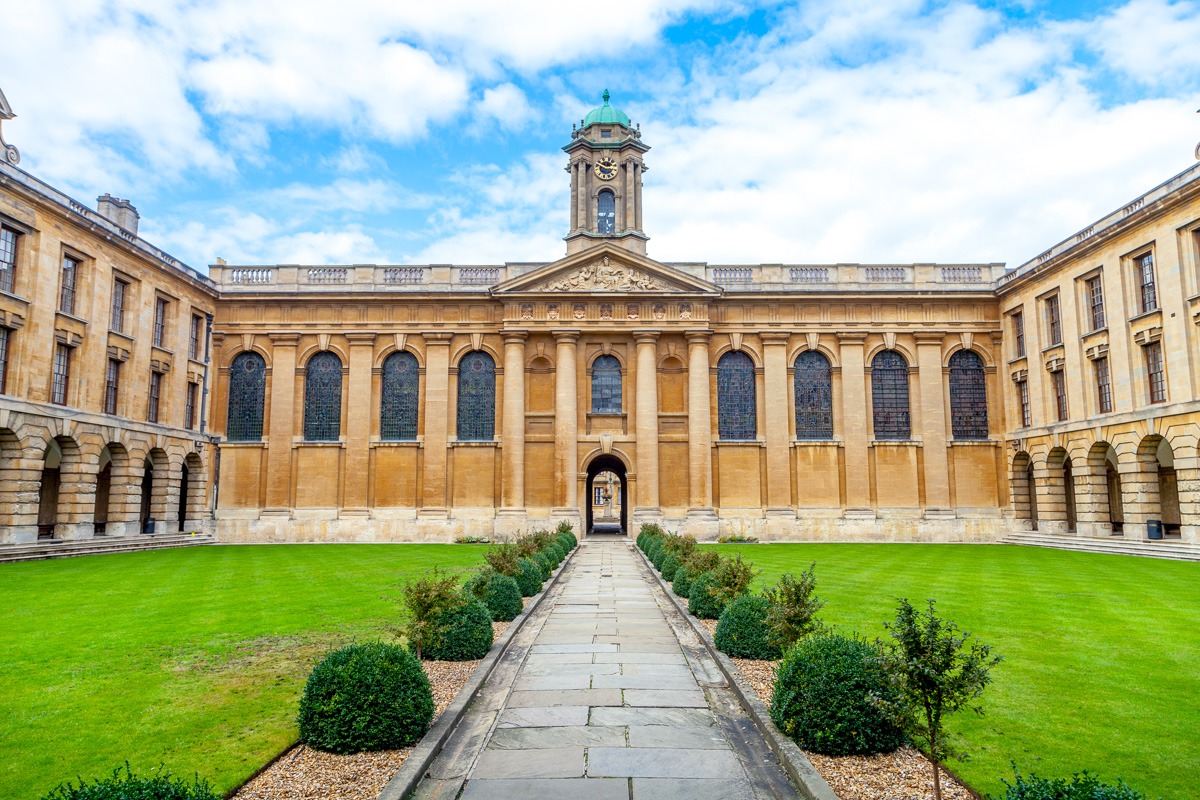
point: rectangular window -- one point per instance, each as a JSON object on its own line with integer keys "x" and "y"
{"x": 1060, "y": 394}
{"x": 597, "y": 496}
{"x": 1053, "y": 320}
{"x": 1095, "y": 290}
{"x": 155, "y": 391}
{"x": 160, "y": 321}
{"x": 66, "y": 294}
{"x": 189, "y": 410}
{"x": 1145, "y": 271}
{"x": 1103, "y": 385}
{"x": 1018, "y": 323}
{"x": 1023, "y": 391}
{"x": 112, "y": 386}
{"x": 8, "y": 259}
{"x": 194, "y": 339}
{"x": 62, "y": 374}
{"x": 5, "y": 338}
{"x": 1154, "y": 371}
{"x": 120, "y": 288}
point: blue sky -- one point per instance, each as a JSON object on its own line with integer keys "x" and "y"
{"x": 376, "y": 131}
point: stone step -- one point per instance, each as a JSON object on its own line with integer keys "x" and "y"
{"x": 36, "y": 551}
{"x": 1176, "y": 550}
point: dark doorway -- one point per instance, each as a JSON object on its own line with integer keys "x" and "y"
{"x": 1069, "y": 487}
{"x": 1116, "y": 512}
{"x": 48, "y": 503}
{"x": 103, "y": 489}
{"x": 1033, "y": 508}
{"x": 147, "y": 491}
{"x": 610, "y": 464}
{"x": 183, "y": 498}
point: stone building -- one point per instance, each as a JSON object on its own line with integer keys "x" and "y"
{"x": 821, "y": 401}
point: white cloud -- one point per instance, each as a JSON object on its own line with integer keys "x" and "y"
{"x": 506, "y": 106}
{"x": 1153, "y": 41}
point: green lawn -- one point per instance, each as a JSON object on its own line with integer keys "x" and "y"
{"x": 191, "y": 658}
{"x": 1101, "y": 653}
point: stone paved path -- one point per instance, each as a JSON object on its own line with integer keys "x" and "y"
{"x": 615, "y": 698}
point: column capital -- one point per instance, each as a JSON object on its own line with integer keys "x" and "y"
{"x": 775, "y": 338}
{"x": 515, "y": 337}
{"x": 440, "y": 338}
{"x": 852, "y": 337}
{"x": 645, "y": 336}
{"x": 698, "y": 336}
{"x": 284, "y": 339}
{"x": 567, "y": 335}
{"x": 360, "y": 338}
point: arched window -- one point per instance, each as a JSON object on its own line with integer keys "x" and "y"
{"x": 889, "y": 396}
{"x": 323, "y": 398}
{"x": 398, "y": 404}
{"x": 736, "y": 406}
{"x": 247, "y": 388}
{"x": 476, "y": 397}
{"x": 968, "y": 396}
{"x": 814, "y": 397}
{"x": 606, "y": 385}
{"x": 606, "y": 213}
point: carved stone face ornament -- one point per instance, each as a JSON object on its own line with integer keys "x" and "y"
{"x": 579, "y": 311}
{"x": 552, "y": 311}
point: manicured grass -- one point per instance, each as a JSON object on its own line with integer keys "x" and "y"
{"x": 190, "y": 658}
{"x": 1101, "y": 652}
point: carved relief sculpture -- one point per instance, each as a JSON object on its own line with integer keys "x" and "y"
{"x": 605, "y": 276}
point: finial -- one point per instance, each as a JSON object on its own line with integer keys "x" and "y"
{"x": 606, "y": 95}
{"x": 11, "y": 154}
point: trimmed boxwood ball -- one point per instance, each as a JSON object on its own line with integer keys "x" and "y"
{"x": 371, "y": 696}
{"x": 566, "y": 541}
{"x": 529, "y": 578}
{"x": 823, "y": 697}
{"x": 127, "y": 786}
{"x": 700, "y": 599}
{"x": 556, "y": 552}
{"x": 656, "y": 552}
{"x": 546, "y": 563}
{"x": 478, "y": 581}
{"x": 464, "y": 633}
{"x": 669, "y": 564}
{"x": 742, "y": 630}
{"x": 681, "y": 584}
{"x": 502, "y": 596}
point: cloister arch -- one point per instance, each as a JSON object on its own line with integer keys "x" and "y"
{"x": 1024, "y": 497}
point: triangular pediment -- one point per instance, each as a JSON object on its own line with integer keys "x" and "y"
{"x": 609, "y": 270}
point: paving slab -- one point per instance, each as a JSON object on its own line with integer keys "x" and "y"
{"x": 694, "y": 738}
{"x": 548, "y": 789}
{"x": 543, "y": 717}
{"x": 635, "y": 762}
{"x": 548, "y": 738}
{"x": 558, "y": 762}
{"x": 677, "y": 789}
{"x": 566, "y": 697}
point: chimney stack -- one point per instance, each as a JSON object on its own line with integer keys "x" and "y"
{"x": 122, "y": 212}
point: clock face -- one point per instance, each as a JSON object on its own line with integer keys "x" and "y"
{"x": 606, "y": 169}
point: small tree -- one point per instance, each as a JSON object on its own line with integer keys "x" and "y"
{"x": 937, "y": 672}
{"x": 425, "y": 600}
{"x": 793, "y": 608}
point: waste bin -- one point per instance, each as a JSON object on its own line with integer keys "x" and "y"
{"x": 1154, "y": 529}
{"x": 149, "y": 526}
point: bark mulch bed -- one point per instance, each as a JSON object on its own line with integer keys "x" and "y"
{"x": 903, "y": 775}
{"x": 306, "y": 774}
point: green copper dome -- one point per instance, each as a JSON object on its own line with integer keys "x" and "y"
{"x": 606, "y": 114}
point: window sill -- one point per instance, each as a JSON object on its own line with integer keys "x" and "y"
{"x": 740, "y": 443}
{"x": 895, "y": 443}
{"x": 226, "y": 443}
{"x": 1095, "y": 332}
{"x": 817, "y": 442}
{"x": 976, "y": 442}
{"x": 396, "y": 442}
{"x": 1047, "y": 349}
{"x": 310, "y": 443}
{"x": 474, "y": 443}
{"x": 1145, "y": 315}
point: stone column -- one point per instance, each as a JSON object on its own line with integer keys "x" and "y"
{"x": 124, "y": 496}
{"x": 77, "y": 494}
{"x": 932, "y": 403}
{"x": 566, "y": 424}
{"x": 512, "y": 429}
{"x": 646, "y": 426}
{"x": 702, "y": 517}
{"x": 282, "y": 425}
{"x": 358, "y": 425}
{"x": 630, "y": 208}
{"x": 581, "y": 195}
{"x": 854, "y": 425}
{"x": 437, "y": 425}
{"x": 1187, "y": 474}
{"x": 1051, "y": 494}
{"x": 20, "y": 489}
{"x": 775, "y": 399}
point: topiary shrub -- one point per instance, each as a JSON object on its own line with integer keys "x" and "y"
{"x": 701, "y": 600}
{"x": 793, "y": 608}
{"x": 682, "y": 582}
{"x": 824, "y": 698}
{"x": 1082, "y": 786}
{"x": 702, "y": 561}
{"x": 669, "y": 566}
{"x": 502, "y": 596}
{"x": 556, "y": 553}
{"x": 529, "y": 578}
{"x": 731, "y": 579}
{"x": 546, "y": 563}
{"x": 533, "y": 543}
{"x": 564, "y": 530}
{"x": 566, "y": 541}
{"x": 478, "y": 581}
{"x": 160, "y": 786}
{"x": 503, "y": 558}
{"x": 464, "y": 633}
{"x": 742, "y": 630}
{"x": 425, "y": 600}
{"x": 655, "y": 552}
{"x": 371, "y": 696}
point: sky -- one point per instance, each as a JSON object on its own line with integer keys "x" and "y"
{"x": 404, "y": 132}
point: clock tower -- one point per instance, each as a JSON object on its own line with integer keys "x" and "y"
{"x": 606, "y": 181}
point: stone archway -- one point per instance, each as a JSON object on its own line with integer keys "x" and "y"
{"x": 607, "y": 464}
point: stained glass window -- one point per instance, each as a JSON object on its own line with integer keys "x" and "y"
{"x": 606, "y": 217}
{"x": 736, "y": 402}
{"x": 398, "y": 408}
{"x": 968, "y": 396}
{"x": 606, "y": 385}
{"x": 814, "y": 397}
{"x": 323, "y": 398}
{"x": 476, "y": 397}
{"x": 247, "y": 390}
{"x": 889, "y": 396}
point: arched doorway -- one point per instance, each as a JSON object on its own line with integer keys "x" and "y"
{"x": 183, "y": 497}
{"x": 103, "y": 491}
{"x": 1069, "y": 495}
{"x": 603, "y": 466}
{"x": 48, "y": 491}
{"x": 147, "y": 493}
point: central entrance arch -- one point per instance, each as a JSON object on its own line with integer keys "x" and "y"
{"x": 607, "y": 464}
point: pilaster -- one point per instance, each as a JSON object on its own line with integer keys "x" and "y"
{"x": 854, "y": 424}
{"x": 646, "y": 422}
{"x": 282, "y": 422}
{"x": 512, "y": 429}
{"x": 699, "y": 428}
{"x": 437, "y": 424}
{"x": 931, "y": 397}
{"x": 775, "y": 391}
{"x": 566, "y": 421}
{"x": 358, "y": 423}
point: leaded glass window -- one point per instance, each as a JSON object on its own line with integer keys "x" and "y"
{"x": 476, "y": 397}
{"x": 736, "y": 403}
{"x": 606, "y": 385}
{"x": 323, "y": 398}
{"x": 889, "y": 396}
{"x": 398, "y": 406}
{"x": 8, "y": 259}
{"x": 814, "y": 397}
{"x": 968, "y": 396}
{"x": 247, "y": 390}
{"x": 606, "y": 215}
